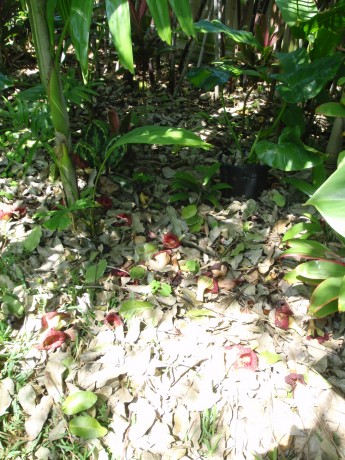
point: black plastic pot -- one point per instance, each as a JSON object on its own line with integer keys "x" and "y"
{"x": 248, "y": 180}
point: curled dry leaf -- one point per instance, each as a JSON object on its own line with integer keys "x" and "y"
{"x": 282, "y": 314}
{"x": 204, "y": 282}
{"x": 241, "y": 357}
{"x": 219, "y": 270}
{"x": 171, "y": 241}
{"x": 159, "y": 260}
{"x": 53, "y": 339}
{"x": 113, "y": 320}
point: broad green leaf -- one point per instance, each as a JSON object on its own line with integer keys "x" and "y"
{"x": 33, "y": 239}
{"x": 130, "y": 307}
{"x": 304, "y": 229}
{"x": 146, "y": 251}
{"x": 320, "y": 269}
{"x": 308, "y": 249}
{"x": 270, "y": 357}
{"x": 290, "y": 154}
{"x": 184, "y": 14}
{"x": 137, "y": 273}
{"x": 324, "y": 299}
{"x": 294, "y": 11}
{"x": 5, "y": 82}
{"x": 196, "y": 226}
{"x": 60, "y": 220}
{"x": 239, "y": 36}
{"x": 278, "y": 198}
{"x": 86, "y": 427}
{"x": 160, "y": 14}
{"x": 12, "y": 306}
{"x": 191, "y": 266}
{"x": 208, "y": 77}
{"x": 120, "y": 28}
{"x": 162, "y": 135}
{"x": 79, "y": 28}
{"x": 50, "y": 16}
{"x": 301, "y": 185}
{"x": 189, "y": 211}
{"x": 341, "y": 301}
{"x": 329, "y": 200}
{"x": 293, "y": 278}
{"x": 331, "y": 109}
{"x": 78, "y": 401}
{"x": 95, "y": 272}
{"x": 237, "y": 250}
{"x": 332, "y": 20}
{"x": 324, "y": 310}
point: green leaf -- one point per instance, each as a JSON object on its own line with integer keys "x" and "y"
{"x": 78, "y": 401}
{"x": 278, "y": 198}
{"x": 184, "y": 14}
{"x": 145, "y": 251}
{"x": 5, "y": 82}
{"x": 329, "y": 200}
{"x": 33, "y": 239}
{"x": 192, "y": 266}
{"x": 162, "y": 135}
{"x": 120, "y": 28}
{"x": 270, "y": 357}
{"x": 341, "y": 300}
{"x": 95, "y": 272}
{"x": 200, "y": 312}
{"x": 237, "y": 250}
{"x": 290, "y": 154}
{"x": 319, "y": 269}
{"x": 60, "y": 220}
{"x": 182, "y": 196}
{"x": 196, "y": 226}
{"x": 137, "y": 273}
{"x": 301, "y": 185}
{"x": 324, "y": 299}
{"x": 79, "y": 28}
{"x": 86, "y": 427}
{"x": 189, "y": 211}
{"x": 331, "y": 109}
{"x": 303, "y": 229}
{"x": 207, "y": 78}
{"x": 239, "y": 36}
{"x": 131, "y": 307}
{"x": 164, "y": 289}
{"x": 160, "y": 14}
{"x": 294, "y": 11}
{"x": 308, "y": 249}
{"x": 12, "y": 306}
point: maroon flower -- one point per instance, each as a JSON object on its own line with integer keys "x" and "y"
{"x": 241, "y": 357}
{"x": 53, "y": 339}
{"x": 79, "y": 162}
{"x": 52, "y": 319}
{"x": 282, "y": 314}
{"x": 119, "y": 273}
{"x": 122, "y": 220}
{"x": 104, "y": 201}
{"x": 113, "y": 320}
{"x": 171, "y": 241}
{"x": 319, "y": 338}
{"x": 293, "y": 378}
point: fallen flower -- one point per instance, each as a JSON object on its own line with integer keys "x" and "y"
{"x": 104, "y": 201}
{"x": 113, "y": 320}
{"x": 159, "y": 260}
{"x": 122, "y": 220}
{"x": 53, "y": 339}
{"x": 320, "y": 338}
{"x": 171, "y": 241}
{"x": 219, "y": 270}
{"x": 54, "y": 320}
{"x": 241, "y": 357}
{"x": 282, "y": 314}
{"x": 119, "y": 272}
{"x": 293, "y": 378}
{"x": 204, "y": 282}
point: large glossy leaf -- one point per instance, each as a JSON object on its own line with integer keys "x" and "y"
{"x": 86, "y": 427}
{"x": 324, "y": 299}
{"x": 290, "y": 154}
{"x": 160, "y": 14}
{"x": 332, "y": 20}
{"x": 239, "y": 36}
{"x": 329, "y": 200}
{"x": 320, "y": 269}
{"x": 306, "y": 80}
{"x": 308, "y": 249}
{"x": 184, "y": 15}
{"x": 207, "y": 78}
{"x": 78, "y": 401}
{"x": 341, "y": 300}
{"x": 120, "y": 28}
{"x": 294, "y": 11}
{"x": 162, "y": 135}
{"x": 79, "y": 27}
{"x": 331, "y": 109}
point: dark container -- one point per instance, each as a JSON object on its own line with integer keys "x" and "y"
{"x": 248, "y": 180}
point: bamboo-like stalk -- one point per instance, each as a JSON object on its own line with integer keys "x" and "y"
{"x": 50, "y": 77}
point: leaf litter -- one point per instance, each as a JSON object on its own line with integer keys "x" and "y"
{"x": 232, "y": 373}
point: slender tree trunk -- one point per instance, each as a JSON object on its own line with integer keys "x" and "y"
{"x": 50, "y": 77}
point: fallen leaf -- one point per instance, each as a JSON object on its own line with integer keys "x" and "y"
{"x": 34, "y": 424}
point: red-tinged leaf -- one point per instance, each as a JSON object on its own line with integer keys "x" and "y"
{"x": 122, "y": 220}
{"x": 104, "y": 201}
{"x": 52, "y": 319}
{"x": 293, "y": 378}
{"x": 114, "y": 121}
{"x": 20, "y": 211}
{"x": 113, "y": 320}
{"x": 171, "y": 241}
{"x": 54, "y": 339}
{"x": 241, "y": 357}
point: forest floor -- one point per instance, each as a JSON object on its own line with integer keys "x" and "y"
{"x": 176, "y": 377}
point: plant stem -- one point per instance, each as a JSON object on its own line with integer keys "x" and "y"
{"x": 229, "y": 124}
